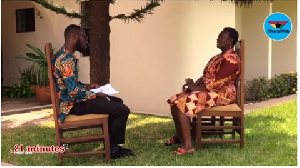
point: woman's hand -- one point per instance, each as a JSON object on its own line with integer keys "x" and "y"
{"x": 192, "y": 87}
{"x": 185, "y": 88}
{"x": 199, "y": 81}
{"x": 189, "y": 81}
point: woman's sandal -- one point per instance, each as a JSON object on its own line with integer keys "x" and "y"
{"x": 183, "y": 151}
{"x": 172, "y": 141}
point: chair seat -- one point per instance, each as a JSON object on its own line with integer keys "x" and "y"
{"x": 230, "y": 107}
{"x": 72, "y": 117}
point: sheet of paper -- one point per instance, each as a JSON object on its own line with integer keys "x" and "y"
{"x": 107, "y": 89}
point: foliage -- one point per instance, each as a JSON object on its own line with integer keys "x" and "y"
{"x": 138, "y": 14}
{"x": 283, "y": 84}
{"x": 270, "y": 140}
{"x": 22, "y": 89}
{"x": 59, "y": 9}
{"x": 39, "y": 63}
{"x": 246, "y": 3}
{"x": 257, "y": 89}
{"x": 19, "y": 90}
{"x": 278, "y": 86}
{"x": 28, "y": 76}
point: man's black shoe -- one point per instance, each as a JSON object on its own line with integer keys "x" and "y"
{"x": 124, "y": 149}
{"x": 121, "y": 153}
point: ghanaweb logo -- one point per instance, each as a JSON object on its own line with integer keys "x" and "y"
{"x": 278, "y": 26}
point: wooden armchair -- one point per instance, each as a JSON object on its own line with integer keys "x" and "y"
{"x": 73, "y": 122}
{"x": 232, "y": 114}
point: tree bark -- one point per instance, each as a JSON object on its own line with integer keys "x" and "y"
{"x": 100, "y": 42}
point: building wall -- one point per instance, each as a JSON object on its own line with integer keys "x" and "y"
{"x": 256, "y": 42}
{"x": 284, "y": 57}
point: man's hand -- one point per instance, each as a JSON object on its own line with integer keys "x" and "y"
{"x": 100, "y": 94}
{"x": 92, "y": 86}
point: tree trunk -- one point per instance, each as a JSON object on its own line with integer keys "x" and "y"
{"x": 99, "y": 42}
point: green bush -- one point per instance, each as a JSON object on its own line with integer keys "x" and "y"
{"x": 261, "y": 89}
{"x": 257, "y": 89}
{"x": 22, "y": 89}
{"x": 18, "y": 91}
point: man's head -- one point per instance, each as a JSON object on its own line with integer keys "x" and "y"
{"x": 76, "y": 36}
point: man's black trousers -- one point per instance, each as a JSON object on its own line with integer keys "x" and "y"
{"x": 118, "y": 114}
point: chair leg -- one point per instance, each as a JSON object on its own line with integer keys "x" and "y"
{"x": 242, "y": 135}
{"x": 222, "y": 124}
{"x": 194, "y": 128}
{"x": 199, "y": 132}
{"x": 106, "y": 140}
{"x": 60, "y": 159}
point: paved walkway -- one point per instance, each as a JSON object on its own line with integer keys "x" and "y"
{"x": 264, "y": 104}
{"x": 248, "y": 108}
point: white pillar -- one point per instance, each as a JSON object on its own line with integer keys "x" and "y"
{"x": 270, "y": 49}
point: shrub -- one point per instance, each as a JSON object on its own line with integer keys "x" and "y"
{"x": 279, "y": 86}
{"x": 257, "y": 89}
{"x": 22, "y": 89}
{"x": 261, "y": 89}
{"x": 18, "y": 91}
{"x": 292, "y": 77}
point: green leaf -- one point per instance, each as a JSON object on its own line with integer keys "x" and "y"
{"x": 35, "y": 49}
{"x": 33, "y": 56}
{"x": 25, "y": 58}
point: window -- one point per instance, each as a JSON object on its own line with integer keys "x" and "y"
{"x": 85, "y": 23}
{"x": 25, "y": 21}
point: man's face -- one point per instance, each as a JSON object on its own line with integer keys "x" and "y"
{"x": 82, "y": 41}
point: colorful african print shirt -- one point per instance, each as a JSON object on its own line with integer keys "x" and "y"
{"x": 69, "y": 88}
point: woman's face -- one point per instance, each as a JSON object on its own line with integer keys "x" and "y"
{"x": 224, "y": 41}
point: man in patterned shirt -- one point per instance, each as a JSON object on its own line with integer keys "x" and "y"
{"x": 75, "y": 97}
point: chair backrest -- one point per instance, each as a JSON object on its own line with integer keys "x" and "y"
{"x": 54, "y": 94}
{"x": 240, "y": 82}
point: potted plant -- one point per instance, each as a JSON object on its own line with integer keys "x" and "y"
{"x": 22, "y": 89}
{"x": 39, "y": 64}
{"x": 28, "y": 78}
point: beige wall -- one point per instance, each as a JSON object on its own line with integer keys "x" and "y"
{"x": 149, "y": 61}
{"x": 284, "y": 52}
{"x": 256, "y": 51}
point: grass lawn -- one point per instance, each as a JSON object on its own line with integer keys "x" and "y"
{"x": 270, "y": 139}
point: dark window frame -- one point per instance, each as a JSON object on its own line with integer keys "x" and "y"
{"x": 25, "y": 20}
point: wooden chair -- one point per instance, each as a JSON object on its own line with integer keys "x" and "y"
{"x": 232, "y": 114}
{"x": 74, "y": 122}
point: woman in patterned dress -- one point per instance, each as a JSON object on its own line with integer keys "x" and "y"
{"x": 214, "y": 88}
